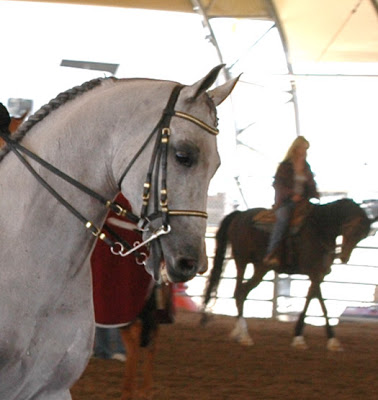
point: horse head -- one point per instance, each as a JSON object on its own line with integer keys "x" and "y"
{"x": 355, "y": 228}
{"x": 175, "y": 196}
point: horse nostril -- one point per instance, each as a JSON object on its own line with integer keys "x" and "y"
{"x": 183, "y": 270}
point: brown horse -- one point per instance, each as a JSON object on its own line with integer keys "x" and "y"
{"x": 142, "y": 334}
{"x": 15, "y": 122}
{"x": 312, "y": 253}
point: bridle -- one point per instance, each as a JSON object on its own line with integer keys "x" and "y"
{"x": 157, "y": 168}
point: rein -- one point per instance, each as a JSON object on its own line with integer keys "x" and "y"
{"x": 158, "y": 163}
{"x": 17, "y": 149}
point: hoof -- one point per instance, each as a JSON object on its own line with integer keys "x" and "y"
{"x": 299, "y": 343}
{"x": 235, "y": 334}
{"x": 333, "y": 344}
{"x": 240, "y": 333}
{"x": 244, "y": 340}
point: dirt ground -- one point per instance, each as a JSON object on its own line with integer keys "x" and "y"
{"x": 204, "y": 364}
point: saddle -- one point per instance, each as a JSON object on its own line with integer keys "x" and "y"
{"x": 265, "y": 219}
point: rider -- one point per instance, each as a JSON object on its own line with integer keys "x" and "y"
{"x": 293, "y": 182}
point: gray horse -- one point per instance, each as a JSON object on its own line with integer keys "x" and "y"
{"x": 105, "y": 134}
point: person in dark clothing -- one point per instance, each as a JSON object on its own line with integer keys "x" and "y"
{"x": 293, "y": 182}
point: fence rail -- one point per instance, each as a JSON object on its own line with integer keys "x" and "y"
{"x": 350, "y": 291}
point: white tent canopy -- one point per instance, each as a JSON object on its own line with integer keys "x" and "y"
{"x": 315, "y": 30}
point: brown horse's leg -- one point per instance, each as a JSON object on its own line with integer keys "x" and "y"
{"x": 146, "y": 391}
{"x": 310, "y": 295}
{"x": 239, "y": 293}
{"x": 329, "y": 329}
{"x": 242, "y": 289}
{"x": 131, "y": 340}
{"x": 333, "y": 344}
{"x": 298, "y": 331}
{"x": 240, "y": 332}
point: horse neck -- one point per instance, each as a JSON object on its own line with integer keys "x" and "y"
{"x": 331, "y": 217}
{"x": 102, "y": 123}
{"x": 81, "y": 149}
{"x": 326, "y": 221}
{"x": 77, "y": 149}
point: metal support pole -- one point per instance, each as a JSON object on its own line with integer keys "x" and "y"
{"x": 282, "y": 34}
{"x": 210, "y": 36}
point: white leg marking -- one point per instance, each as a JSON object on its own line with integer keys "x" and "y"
{"x": 299, "y": 343}
{"x": 333, "y": 344}
{"x": 240, "y": 333}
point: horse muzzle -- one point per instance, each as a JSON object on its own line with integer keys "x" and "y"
{"x": 344, "y": 256}
{"x": 184, "y": 270}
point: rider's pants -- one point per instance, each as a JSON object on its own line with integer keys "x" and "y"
{"x": 283, "y": 215}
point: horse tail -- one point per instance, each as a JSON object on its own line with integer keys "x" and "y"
{"x": 220, "y": 252}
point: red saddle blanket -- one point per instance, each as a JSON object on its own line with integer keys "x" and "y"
{"x": 120, "y": 286}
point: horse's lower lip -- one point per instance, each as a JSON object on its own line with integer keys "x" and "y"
{"x": 177, "y": 276}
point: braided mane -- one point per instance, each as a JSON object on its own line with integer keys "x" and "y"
{"x": 52, "y": 105}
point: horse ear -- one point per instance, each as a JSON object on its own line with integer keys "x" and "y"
{"x": 201, "y": 86}
{"x": 218, "y": 94}
{"x": 221, "y": 92}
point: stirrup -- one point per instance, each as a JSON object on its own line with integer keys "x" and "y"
{"x": 271, "y": 261}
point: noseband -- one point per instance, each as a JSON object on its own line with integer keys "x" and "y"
{"x": 158, "y": 164}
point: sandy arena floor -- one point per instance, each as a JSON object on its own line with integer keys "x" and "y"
{"x": 204, "y": 364}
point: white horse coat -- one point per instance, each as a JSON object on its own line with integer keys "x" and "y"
{"x": 46, "y": 311}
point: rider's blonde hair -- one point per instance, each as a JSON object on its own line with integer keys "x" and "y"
{"x": 300, "y": 141}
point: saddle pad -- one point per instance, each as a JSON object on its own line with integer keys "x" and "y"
{"x": 265, "y": 217}
{"x": 301, "y": 211}
{"x": 121, "y": 287}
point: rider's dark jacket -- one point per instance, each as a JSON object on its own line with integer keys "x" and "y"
{"x": 284, "y": 183}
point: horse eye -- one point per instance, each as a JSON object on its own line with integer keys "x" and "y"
{"x": 184, "y": 158}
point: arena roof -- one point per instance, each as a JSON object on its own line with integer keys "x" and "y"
{"x": 314, "y": 30}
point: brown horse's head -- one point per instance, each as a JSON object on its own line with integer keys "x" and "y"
{"x": 16, "y": 122}
{"x": 353, "y": 231}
